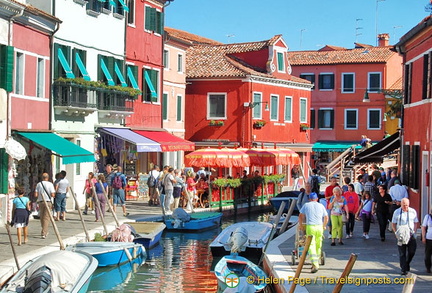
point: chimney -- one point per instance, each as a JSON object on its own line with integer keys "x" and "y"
{"x": 383, "y": 40}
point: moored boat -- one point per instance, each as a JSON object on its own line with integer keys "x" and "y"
{"x": 257, "y": 234}
{"x": 147, "y": 233}
{"x": 234, "y": 271}
{"x": 110, "y": 253}
{"x": 57, "y": 271}
{"x": 286, "y": 197}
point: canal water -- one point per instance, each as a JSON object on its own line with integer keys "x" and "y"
{"x": 182, "y": 262}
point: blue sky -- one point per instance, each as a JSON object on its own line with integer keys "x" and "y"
{"x": 304, "y": 24}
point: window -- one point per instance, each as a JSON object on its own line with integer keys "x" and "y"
{"x": 326, "y": 118}
{"x": 427, "y": 76}
{"x": 374, "y": 119}
{"x": 310, "y": 77}
{"x": 312, "y": 118}
{"x": 257, "y": 110}
{"x": 120, "y": 7}
{"x": 351, "y": 119}
{"x": 179, "y": 108}
{"x": 165, "y": 106}
{"x": 179, "y": 63}
{"x": 131, "y": 13}
{"x": 303, "y": 113}
{"x": 374, "y": 81}
{"x": 216, "y": 106}
{"x": 95, "y": 6}
{"x": 132, "y": 74}
{"x": 154, "y": 20}
{"x": 288, "y": 109}
{"x": 326, "y": 81}
{"x": 348, "y": 82}
{"x": 106, "y": 69}
{"x": 19, "y": 73}
{"x": 6, "y": 67}
{"x": 62, "y": 62}
{"x": 165, "y": 59}
{"x": 280, "y": 62}
{"x": 40, "y": 77}
{"x": 150, "y": 85}
{"x": 79, "y": 69}
{"x": 407, "y": 83}
{"x": 274, "y": 107}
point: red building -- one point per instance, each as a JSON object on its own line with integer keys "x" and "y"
{"x": 244, "y": 95}
{"x": 415, "y": 47}
{"x": 342, "y": 78}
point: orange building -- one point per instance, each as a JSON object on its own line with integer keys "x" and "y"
{"x": 342, "y": 79}
{"x": 415, "y": 47}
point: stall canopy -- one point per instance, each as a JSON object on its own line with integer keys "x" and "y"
{"x": 167, "y": 141}
{"x": 334, "y": 146}
{"x": 375, "y": 153}
{"x": 70, "y": 152}
{"x": 143, "y": 144}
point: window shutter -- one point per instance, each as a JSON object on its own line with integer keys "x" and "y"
{"x": 179, "y": 108}
{"x": 152, "y": 19}
{"x": 165, "y": 106}
{"x": 4, "y": 160}
{"x": 407, "y": 84}
{"x": 331, "y": 118}
{"x": 74, "y": 66}
{"x": 145, "y": 89}
{"x": 405, "y": 164}
{"x": 332, "y": 81}
{"x": 320, "y": 81}
{"x": 6, "y": 67}
{"x": 154, "y": 79}
{"x": 147, "y": 18}
{"x": 159, "y": 22}
{"x": 415, "y": 167}
{"x": 320, "y": 118}
{"x": 312, "y": 118}
{"x": 56, "y": 62}
{"x": 426, "y": 73}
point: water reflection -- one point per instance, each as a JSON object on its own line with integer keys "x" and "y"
{"x": 182, "y": 262}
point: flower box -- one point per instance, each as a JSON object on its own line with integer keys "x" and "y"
{"x": 216, "y": 123}
{"x": 259, "y": 123}
{"x": 304, "y": 126}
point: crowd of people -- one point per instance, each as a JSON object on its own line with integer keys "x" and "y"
{"x": 378, "y": 195}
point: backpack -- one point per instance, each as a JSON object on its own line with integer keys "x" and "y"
{"x": 315, "y": 184}
{"x": 151, "y": 181}
{"x": 373, "y": 190}
{"x": 117, "y": 182}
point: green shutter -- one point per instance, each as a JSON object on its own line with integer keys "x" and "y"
{"x": 155, "y": 82}
{"x": 4, "y": 160}
{"x": 147, "y": 18}
{"x": 179, "y": 108}
{"x": 288, "y": 106}
{"x": 100, "y": 74}
{"x": 159, "y": 22}
{"x": 6, "y": 67}
{"x": 280, "y": 61}
{"x": 152, "y": 26}
{"x": 110, "y": 65}
{"x": 257, "y": 109}
{"x": 165, "y": 106}
{"x": 303, "y": 111}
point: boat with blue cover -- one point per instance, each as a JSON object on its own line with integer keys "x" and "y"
{"x": 147, "y": 233}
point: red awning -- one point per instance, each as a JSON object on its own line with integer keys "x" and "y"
{"x": 168, "y": 142}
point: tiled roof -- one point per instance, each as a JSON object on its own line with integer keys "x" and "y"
{"x": 194, "y": 39}
{"x": 331, "y": 48}
{"x": 360, "y": 45}
{"x": 358, "y": 55}
{"x": 397, "y": 85}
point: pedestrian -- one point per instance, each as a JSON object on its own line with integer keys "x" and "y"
{"x": 168, "y": 183}
{"x": 328, "y": 193}
{"x": 347, "y": 181}
{"x": 393, "y": 178}
{"x": 337, "y": 207}
{"x": 427, "y": 240}
{"x": 178, "y": 188}
{"x": 61, "y": 188}
{"x": 44, "y": 192}
{"x": 386, "y": 134}
{"x": 118, "y": 185}
{"x": 363, "y": 141}
{"x": 358, "y": 186}
{"x": 109, "y": 175}
{"x": 316, "y": 222}
{"x": 353, "y": 202}
{"x": 397, "y": 193}
{"x": 405, "y": 223}
{"x": 365, "y": 212}
{"x": 295, "y": 174}
{"x": 376, "y": 173}
{"x": 303, "y": 196}
{"x": 364, "y": 175}
{"x": 314, "y": 180}
{"x": 88, "y": 191}
{"x": 152, "y": 183}
{"x": 190, "y": 189}
{"x": 100, "y": 209}
{"x": 381, "y": 206}
{"x": 20, "y": 215}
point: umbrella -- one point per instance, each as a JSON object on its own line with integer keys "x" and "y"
{"x": 224, "y": 158}
{"x": 255, "y": 156}
{"x": 286, "y": 155}
{"x": 271, "y": 157}
{"x": 15, "y": 149}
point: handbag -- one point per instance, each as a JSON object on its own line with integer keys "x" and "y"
{"x": 28, "y": 211}
{"x": 344, "y": 217}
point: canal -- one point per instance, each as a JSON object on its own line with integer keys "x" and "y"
{"x": 182, "y": 262}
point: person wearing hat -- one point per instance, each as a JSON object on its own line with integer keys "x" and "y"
{"x": 315, "y": 216}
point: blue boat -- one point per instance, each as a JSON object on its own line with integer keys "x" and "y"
{"x": 285, "y": 196}
{"x": 114, "y": 277}
{"x": 57, "y": 271}
{"x": 237, "y": 271}
{"x": 147, "y": 233}
{"x": 194, "y": 221}
{"x": 110, "y": 253}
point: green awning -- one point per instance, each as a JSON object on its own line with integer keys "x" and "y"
{"x": 132, "y": 78}
{"x": 150, "y": 84}
{"x": 65, "y": 64}
{"x": 70, "y": 152}
{"x": 334, "y": 146}
{"x": 82, "y": 67}
{"x": 106, "y": 72}
{"x": 120, "y": 75}
{"x": 124, "y": 5}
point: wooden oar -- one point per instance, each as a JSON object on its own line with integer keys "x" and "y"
{"x": 109, "y": 204}
{"x": 56, "y": 231}
{"x": 98, "y": 207}
{"x": 79, "y": 213}
{"x": 12, "y": 245}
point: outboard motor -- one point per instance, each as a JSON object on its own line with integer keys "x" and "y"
{"x": 180, "y": 216}
{"x": 237, "y": 239}
{"x": 39, "y": 281}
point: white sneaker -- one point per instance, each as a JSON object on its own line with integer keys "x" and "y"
{"x": 364, "y": 236}
{"x": 348, "y": 237}
{"x": 367, "y": 236}
{"x": 329, "y": 236}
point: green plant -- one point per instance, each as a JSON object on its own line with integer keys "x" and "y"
{"x": 274, "y": 178}
{"x": 304, "y": 126}
{"x": 98, "y": 237}
{"x": 98, "y": 85}
{"x": 222, "y": 182}
{"x": 216, "y": 123}
{"x": 259, "y": 123}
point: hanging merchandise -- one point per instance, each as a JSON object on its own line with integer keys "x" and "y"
{"x": 15, "y": 149}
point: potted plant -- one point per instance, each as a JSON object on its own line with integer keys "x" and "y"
{"x": 259, "y": 123}
{"x": 216, "y": 123}
{"x": 304, "y": 126}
